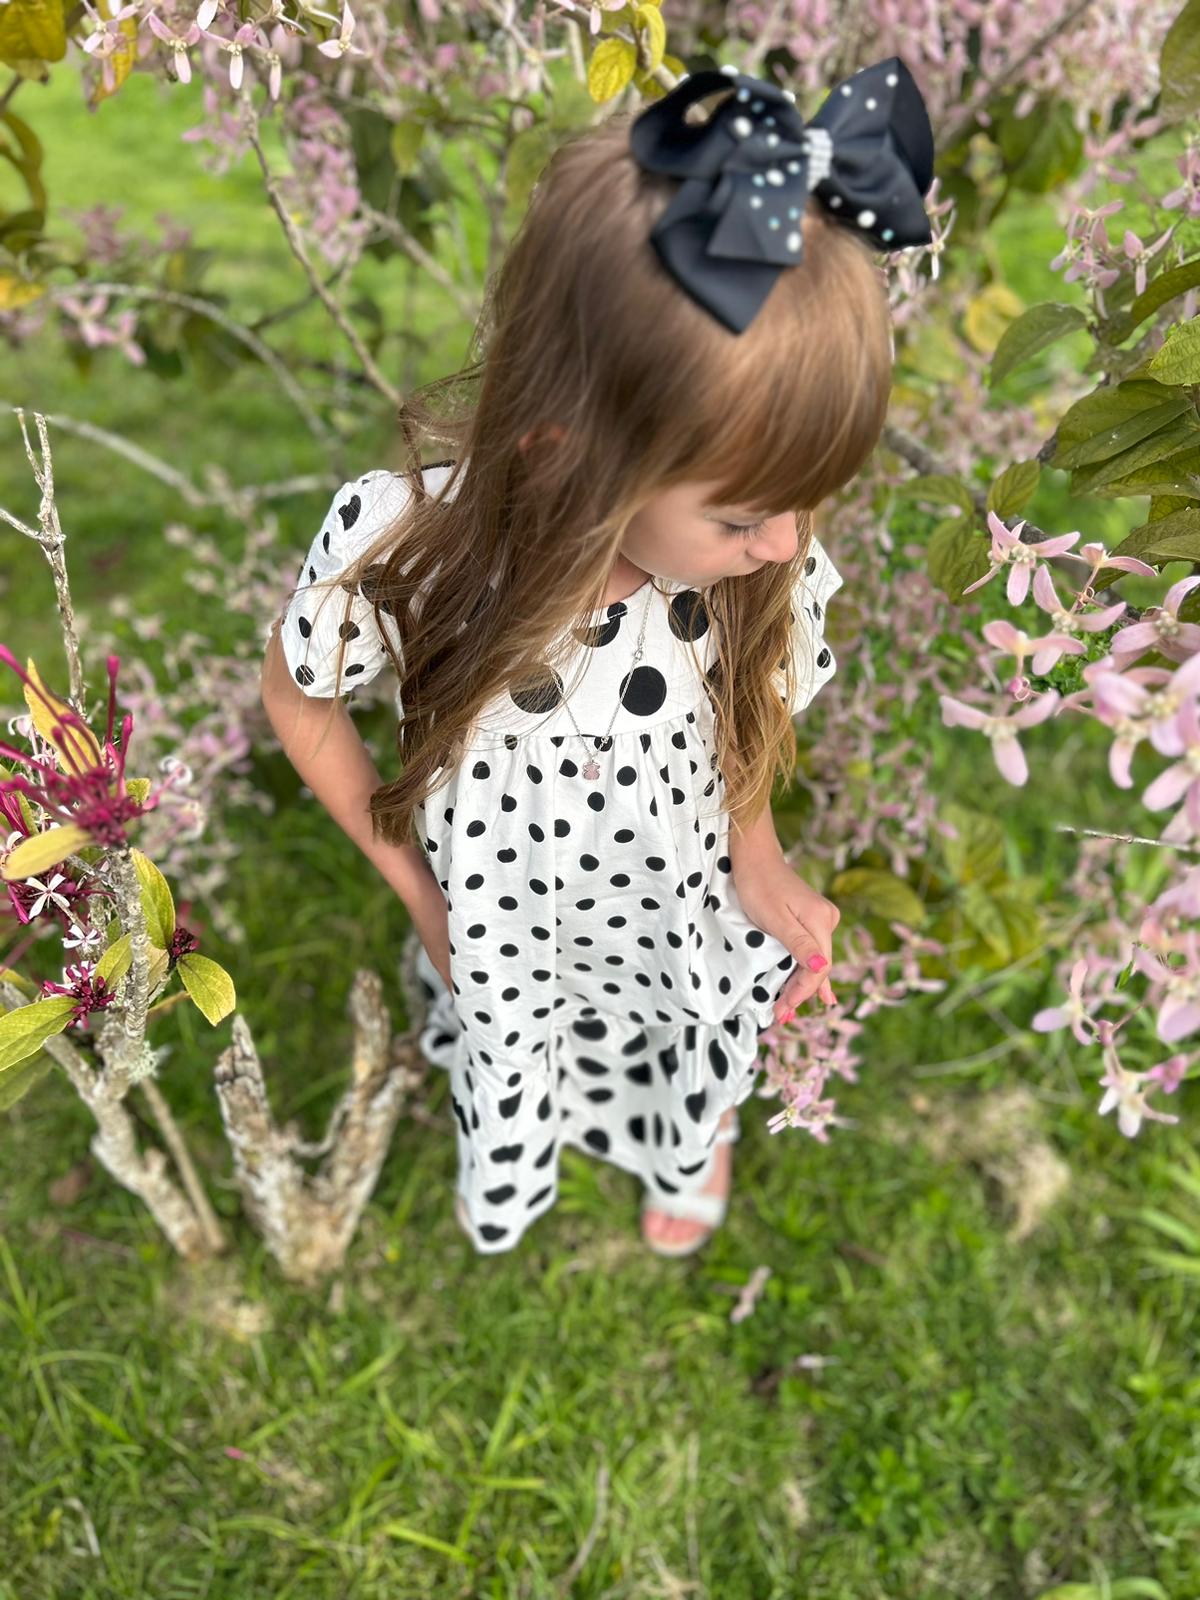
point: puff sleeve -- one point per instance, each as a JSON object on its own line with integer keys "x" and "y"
{"x": 815, "y": 663}
{"x": 311, "y": 627}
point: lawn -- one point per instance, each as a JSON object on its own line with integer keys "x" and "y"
{"x": 929, "y": 1401}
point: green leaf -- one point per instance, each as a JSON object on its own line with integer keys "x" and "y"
{"x": 976, "y": 855}
{"x": 1179, "y": 64}
{"x": 24, "y": 1030}
{"x": 1096, "y": 415}
{"x": 1173, "y": 538}
{"x": 158, "y": 904}
{"x": 527, "y": 156}
{"x": 868, "y": 892}
{"x": 938, "y": 488}
{"x": 958, "y": 556}
{"x": 406, "y": 140}
{"x": 1177, "y": 474}
{"x": 983, "y": 914}
{"x": 1042, "y": 149}
{"x": 1034, "y": 330}
{"x": 1169, "y": 283}
{"x": 1166, "y": 441}
{"x": 1178, "y": 360}
{"x": 19, "y": 1080}
{"x": 1016, "y": 486}
{"x": 1113, "y": 426}
{"x": 209, "y": 985}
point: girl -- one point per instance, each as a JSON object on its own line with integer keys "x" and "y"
{"x": 604, "y": 611}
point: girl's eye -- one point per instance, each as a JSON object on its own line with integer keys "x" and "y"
{"x": 742, "y": 530}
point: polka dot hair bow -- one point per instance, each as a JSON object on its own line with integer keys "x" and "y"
{"x": 734, "y": 224}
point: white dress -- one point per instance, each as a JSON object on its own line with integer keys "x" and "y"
{"x": 608, "y": 989}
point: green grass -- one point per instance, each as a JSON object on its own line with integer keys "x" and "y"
{"x": 987, "y": 1416}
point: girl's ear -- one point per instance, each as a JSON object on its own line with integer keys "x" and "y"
{"x": 545, "y": 430}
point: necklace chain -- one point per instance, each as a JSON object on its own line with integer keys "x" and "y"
{"x": 591, "y": 767}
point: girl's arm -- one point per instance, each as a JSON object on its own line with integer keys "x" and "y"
{"x": 337, "y": 768}
{"x": 756, "y": 844}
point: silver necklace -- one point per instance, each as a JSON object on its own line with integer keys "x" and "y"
{"x": 591, "y": 767}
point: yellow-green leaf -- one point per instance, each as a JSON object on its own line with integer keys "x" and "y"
{"x": 16, "y": 292}
{"x": 139, "y": 788}
{"x": 43, "y": 850}
{"x": 159, "y": 960}
{"x": 209, "y": 985}
{"x": 75, "y": 745}
{"x": 116, "y": 960}
{"x": 651, "y": 33}
{"x": 157, "y": 903}
{"x": 989, "y": 314}
{"x": 32, "y": 30}
{"x": 19, "y": 981}
{"x": 876, "y": 893}
{"x": 1178, "y": 360}
{"x": 406, "y": 139}
{"x": 121, "y": 61}
{"x": 611, "y": 68}
{"x": 25, "y": 1030}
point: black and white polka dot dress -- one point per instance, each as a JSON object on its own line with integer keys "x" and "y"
{"x": 608, "y": 989}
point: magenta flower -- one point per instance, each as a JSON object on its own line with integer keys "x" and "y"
{"x": 1002, "y": 730}
{"x": 85, "y": 788}
{"x": 90, "y": 993}
{"x": 1008, "y": 550}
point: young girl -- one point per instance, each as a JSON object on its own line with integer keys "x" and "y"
{"x": 604, "y": 612}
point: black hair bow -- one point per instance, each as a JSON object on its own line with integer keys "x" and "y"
{"x": 734, "y": 225}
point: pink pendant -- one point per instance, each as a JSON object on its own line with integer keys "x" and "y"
{"x": 591, "y": 769}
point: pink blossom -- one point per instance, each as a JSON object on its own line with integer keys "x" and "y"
{"x": 1160, "y": 629}
{"x": 1123, "y": 1090}
{"x": 1141, "y": 253}
{"x": 1002, "y": 729}
{"x": 1008, "y": 550}
{"x": 1075, "y": 1012}
{"x": 1169, "y": 1074}
{"x": 179, "y": 43}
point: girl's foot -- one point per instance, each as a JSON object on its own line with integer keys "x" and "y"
{"x": 658, "y": 1228}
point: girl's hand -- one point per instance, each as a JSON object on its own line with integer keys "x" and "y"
{"x": 778, "y": 901}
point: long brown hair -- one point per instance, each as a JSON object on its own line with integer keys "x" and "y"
{"x": 627, "y": 388}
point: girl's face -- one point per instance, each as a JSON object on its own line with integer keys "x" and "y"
{"x": 684, "y": 536}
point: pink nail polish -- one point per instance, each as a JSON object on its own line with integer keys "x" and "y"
{"x": 788, "y": 1014}
{"x": 817, "y": 962}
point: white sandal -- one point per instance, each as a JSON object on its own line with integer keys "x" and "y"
{"x": 709, "y": 1209}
